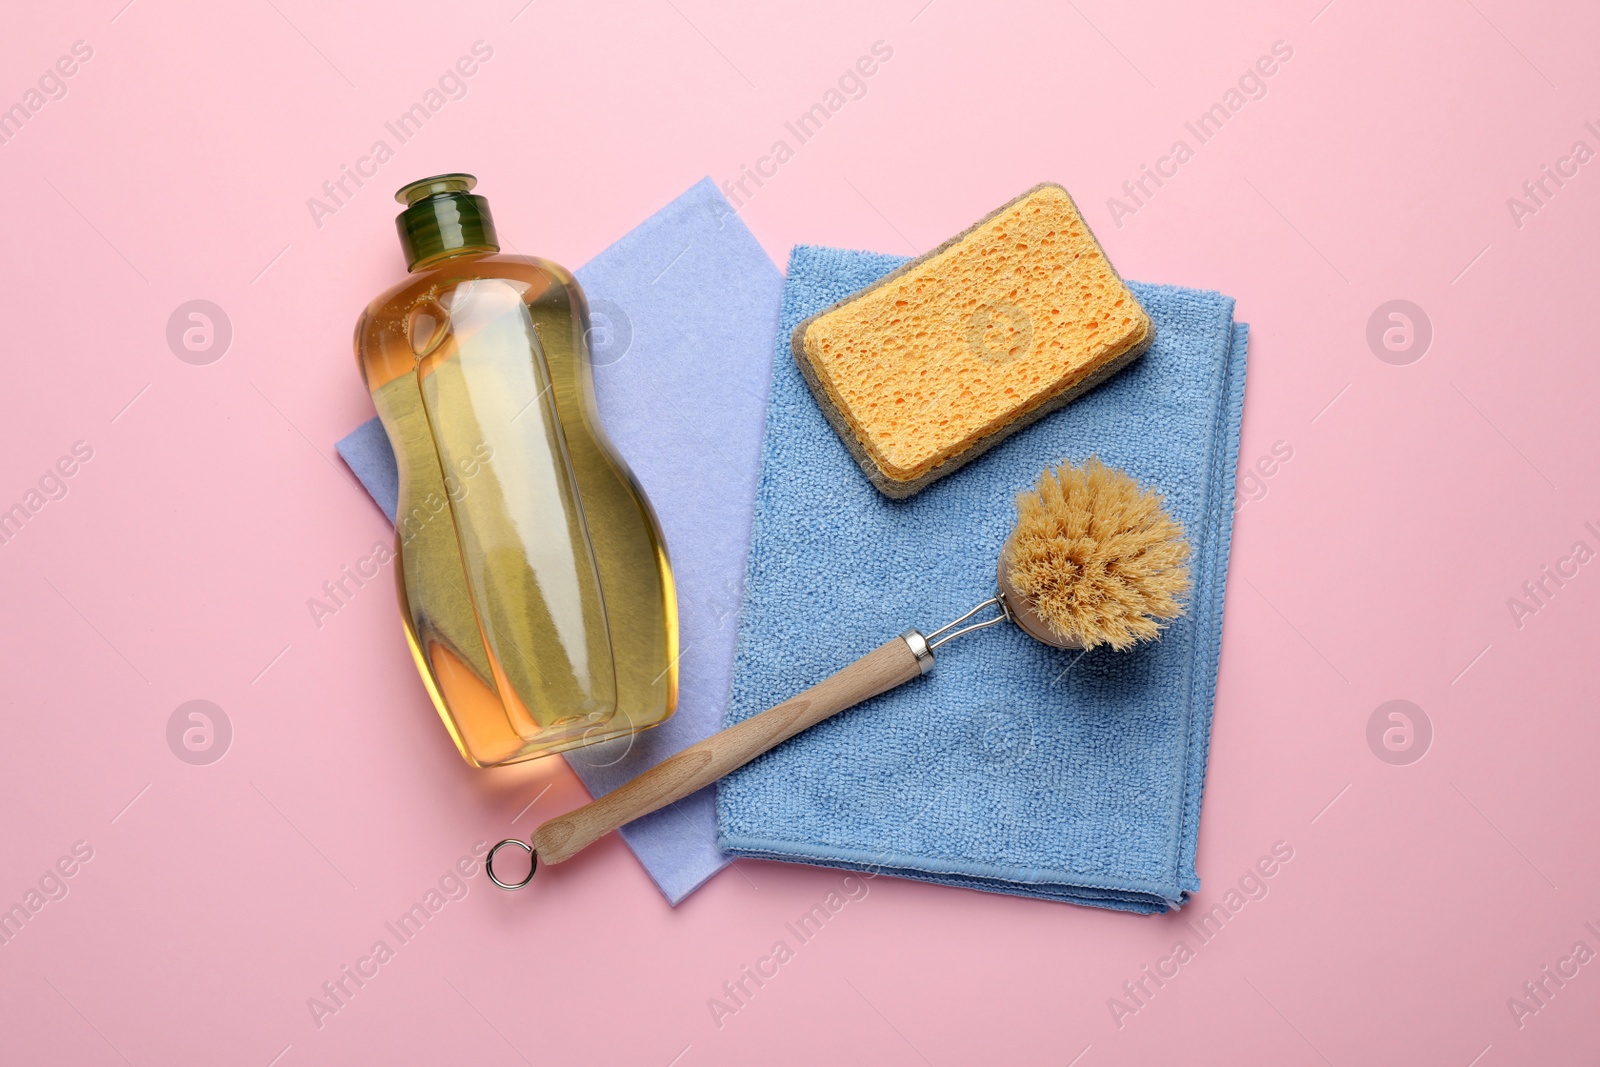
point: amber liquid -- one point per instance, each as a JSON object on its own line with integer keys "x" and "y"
{"x": 534, "y": 586}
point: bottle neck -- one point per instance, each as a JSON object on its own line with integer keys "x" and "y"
{"x": 467, "y": 252}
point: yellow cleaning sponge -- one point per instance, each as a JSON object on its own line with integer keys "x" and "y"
{"x": 940, "y": 360}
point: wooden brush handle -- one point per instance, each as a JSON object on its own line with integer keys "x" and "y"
{"x": 890, "y": 664}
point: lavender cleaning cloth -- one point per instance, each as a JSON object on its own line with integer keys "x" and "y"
{"x": 1012, "y": 767}
{"x": 684, "y": 311}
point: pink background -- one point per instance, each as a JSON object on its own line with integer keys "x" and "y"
{"x": 1377, "y": 566}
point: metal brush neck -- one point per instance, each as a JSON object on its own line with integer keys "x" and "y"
{"x": 935, "y": 639}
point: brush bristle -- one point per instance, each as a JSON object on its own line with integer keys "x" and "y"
{"x": 1097, "y": 556}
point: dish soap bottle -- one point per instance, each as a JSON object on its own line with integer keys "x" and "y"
{"x": 534, "y": 584}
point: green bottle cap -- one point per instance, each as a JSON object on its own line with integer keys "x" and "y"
{"x": 443, "y": 218}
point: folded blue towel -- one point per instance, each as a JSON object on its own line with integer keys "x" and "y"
{"x": 684, "y": 309}
{"x": 1013, "y": 767}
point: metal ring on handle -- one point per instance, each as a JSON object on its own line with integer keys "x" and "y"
{"x": 919, "y": 649}
{"x": 533, "y": 863}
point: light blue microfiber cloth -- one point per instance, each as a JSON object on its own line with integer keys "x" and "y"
{"x": 684, "y": 308}
{"x": 1012, "y": 767}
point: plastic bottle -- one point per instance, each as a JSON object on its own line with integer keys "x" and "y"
{"x": 534, "y": 584}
